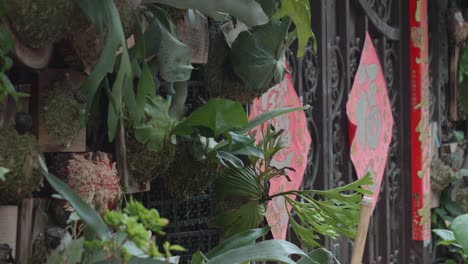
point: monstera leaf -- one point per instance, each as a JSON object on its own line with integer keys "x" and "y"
{"x": 258, "y": 57}
{"x": 247, "y": 11}
{"x": 218, "y": 116}
{"x": 299, "y": 12}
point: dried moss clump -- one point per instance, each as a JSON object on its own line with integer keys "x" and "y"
{"x": 187, "y": 176}
{"x": 19, "y": 154}
{"x": 144, "y": 164}
{"x": 441, "y": 175}
{"x": 62, "y": 113}
{"x": 38, "y": 23}
{"x": 218, "y": 73}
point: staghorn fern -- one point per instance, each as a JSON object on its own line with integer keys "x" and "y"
{"x": 242, "y": 196}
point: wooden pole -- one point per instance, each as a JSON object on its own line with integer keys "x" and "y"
{"x": 361, "y": 236}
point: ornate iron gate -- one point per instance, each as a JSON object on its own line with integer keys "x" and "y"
{"x": 324, "y": 78}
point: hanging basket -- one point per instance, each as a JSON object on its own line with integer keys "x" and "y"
{"x": 39, "y": 23}
{"x": 218, "y": 73}
{"x": 85, "y": 39}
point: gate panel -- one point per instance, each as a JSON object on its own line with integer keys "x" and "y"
{"x": 325, "y": 77}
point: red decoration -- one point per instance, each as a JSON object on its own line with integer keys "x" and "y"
{"x": 420, "y": 122}
{"x": 297, "y": 142}
{"x": 370, "y": 115}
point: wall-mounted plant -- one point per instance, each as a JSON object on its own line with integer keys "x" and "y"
{"x": 19, "y": 154}
{"x": 243, "y": 194}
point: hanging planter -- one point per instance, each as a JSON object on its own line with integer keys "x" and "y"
{"x": 187, "y": 176}
{"x": 86, "y": 40}
{"x": 59, "y": 112}
{"x": 39, "y": 23}
{"x": 36, "y": 26}
{"x": 19, "y": 155}
{"x": 218, "y": 73}
{"x": 138, "y": 165}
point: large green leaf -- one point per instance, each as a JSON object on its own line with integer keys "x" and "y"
{"x": 146, "y": 88}
{"x": 299, "y": 12}
{"x": 105, "y": 14}
{"x": 155, "y": 132}
{"x": 86, "y": 213}
{"x": 240, "y": 240}
{"x": 217, "y": 115}
{"x": 270, "y": 250}
{"x": 235, "y": 221}
{"x": 447, "y": 236}
{"x": 318, "y": 256}
{"x": 258, "y": 57}
{"x": 247, "y": 11}
{"x": 262, "y": 118}
{"x": 459, "y": 228}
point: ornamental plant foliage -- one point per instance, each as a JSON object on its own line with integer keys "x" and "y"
{"x": 158, "y": 51}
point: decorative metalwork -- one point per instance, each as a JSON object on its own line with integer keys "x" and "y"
{"x": 310, "y": 75}
{"x": 383, "y": 8}
{"x": 339, "y": 131}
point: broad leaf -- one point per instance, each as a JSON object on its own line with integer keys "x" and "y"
{"x": 459, "y": 228}
{"x": 218, "y": 115}
{"x": 247, "y": 11}
{"x": 318, "y": 256}
{"x": 258, "y": 57}
{"x": 87, "y": 214}
{"x": 270, "y": 250}
{"x": 447, "y": 237}
{"x": 105, "y": 14}
{"x": 154, "y": 133}
{"x": 299, "y": 12}
{"x": 235, "y": 221}
{"x": 146, "y": 88}
{"x": 240, "y": 240}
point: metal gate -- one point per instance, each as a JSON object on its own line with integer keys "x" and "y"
{"x": 324, "y": 78}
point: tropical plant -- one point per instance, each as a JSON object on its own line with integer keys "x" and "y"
{"x": 122, "y": 237}
{"x": 243, "y": 248}
{"x": 456, "y": 238}
{"x": 243, "y": 194}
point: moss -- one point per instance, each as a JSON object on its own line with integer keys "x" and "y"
{"x": 187, "y": 176}
{"x": 38, "y": 23}
{"x": 62, "y": 112}
{"x": 87, "y": 42}
{"x": 219, "y": 74}
{"x": 441, "y": 175}
{"x": 144, "y": 164}
{"x": 19, "y": 153}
